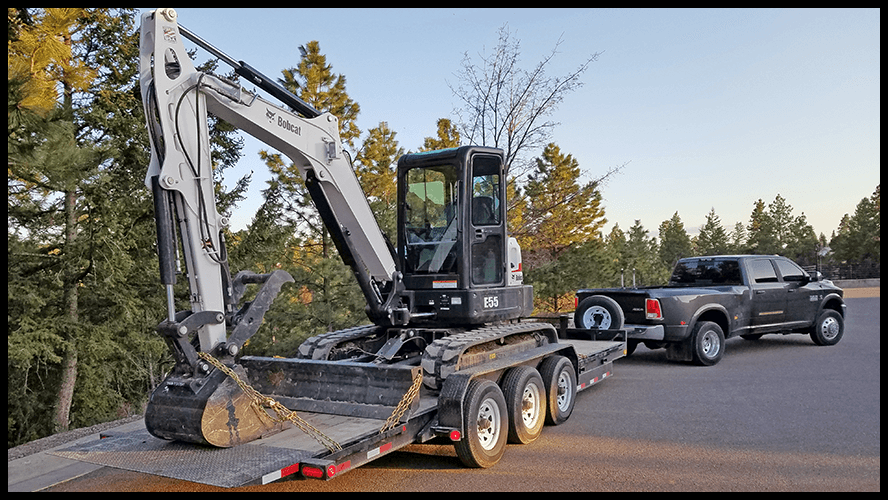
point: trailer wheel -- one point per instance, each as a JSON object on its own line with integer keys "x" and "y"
{"x": 561, "y": 388}
{"x": 708, "y": 343}
{"x": 485, "y": 423}
{"x": 829, "y": 328}
{"x": 599, "y": 311}
{"x": 525, "y": 399}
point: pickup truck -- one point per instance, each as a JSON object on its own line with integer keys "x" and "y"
{"x": 709, "y": 299}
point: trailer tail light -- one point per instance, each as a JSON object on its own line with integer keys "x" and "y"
{"x": 455, "y": 435}
{"x": 652, "y": 309}
{"x": 312, "y": 472}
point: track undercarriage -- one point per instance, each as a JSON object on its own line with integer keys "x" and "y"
{"x": 222, "y": 409}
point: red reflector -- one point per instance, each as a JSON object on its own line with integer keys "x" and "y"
{"x": 652, "y": 309}
{"x": 455, "y": 436}
{"x": 312, "y": 472}
{"x": 286, "y": 471}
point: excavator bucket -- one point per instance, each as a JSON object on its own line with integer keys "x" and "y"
{"x": 215, "y": 412}
{"x": 233, "y": 406}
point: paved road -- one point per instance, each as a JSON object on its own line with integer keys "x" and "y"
{"x": 778, "y": 414}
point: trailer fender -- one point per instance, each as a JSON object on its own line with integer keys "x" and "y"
{"x": 450, "y": 403}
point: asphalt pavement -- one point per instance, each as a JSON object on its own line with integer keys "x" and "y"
{"x": 777, "y": 414}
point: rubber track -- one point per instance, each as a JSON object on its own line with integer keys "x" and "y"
{"x": 441, "y": 357}
{"x": 319, "y": 346}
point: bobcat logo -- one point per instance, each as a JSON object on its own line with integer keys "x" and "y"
{"x": 270, "y": 115}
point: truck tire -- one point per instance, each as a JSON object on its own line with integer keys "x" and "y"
{"x": 828, "y": 329}
{"x": 599, "y": 312}
{"x": 560, "y": 380}
{"x": 707, "y": 343}
{"x": 525, "y": 399}
{"x": 485, "y": 423}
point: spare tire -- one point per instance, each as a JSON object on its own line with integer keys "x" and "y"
{"x": 598, "y": 311}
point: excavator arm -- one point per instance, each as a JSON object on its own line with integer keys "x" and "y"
{"x": 177, "y": 99}
{"x": 197, "y": 403}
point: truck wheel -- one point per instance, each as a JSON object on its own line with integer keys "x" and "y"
{"x": 829, "y": 328}
{"x": 485, "y": 424}
{"x": 708, "y": 343}
{"x": 599, "y": 312}
{"x": 560, "y": 381}
{"x": 525, "y": 395}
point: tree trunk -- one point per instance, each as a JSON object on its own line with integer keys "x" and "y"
{"x": 65, "y": 396}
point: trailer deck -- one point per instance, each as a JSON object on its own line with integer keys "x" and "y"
{"x": 360, "y": 429}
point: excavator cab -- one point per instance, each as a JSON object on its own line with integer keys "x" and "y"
{"x": 457, "y": 262}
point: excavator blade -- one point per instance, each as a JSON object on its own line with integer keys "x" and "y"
{"x": 213, "y": 411}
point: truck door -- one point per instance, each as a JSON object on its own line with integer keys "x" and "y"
{"x": 801, "y": 300}
{"x": 768, "y": 294}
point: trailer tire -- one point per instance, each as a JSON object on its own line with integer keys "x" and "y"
{"x": 525, "y": 399}
{"x": 828, "y": 329}
{"x": 599, "y": 311}
{"x": 560, "y": 380}
{"x": 485, "y": 423}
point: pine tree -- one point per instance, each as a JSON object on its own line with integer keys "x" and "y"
{"x": 329, "y": 288}
{"x": 81, "y": 239}
{"x": 447, "y": 137}
{"x": 561, "y": 214}
{"x": 375, "y": 166}
{"x": 713, "y": 239}
{"x": 675, "y": 243}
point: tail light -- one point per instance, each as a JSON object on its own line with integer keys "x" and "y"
{"x": 652, "y": 309}
{"x": 313, "y": 472}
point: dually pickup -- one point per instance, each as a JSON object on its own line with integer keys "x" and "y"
{"x": 709, "y": 299}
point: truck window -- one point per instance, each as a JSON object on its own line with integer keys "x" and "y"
{"x": 790, "y": 271}
{"x": 706, "y": 272}
{"x": 761, "y": 271}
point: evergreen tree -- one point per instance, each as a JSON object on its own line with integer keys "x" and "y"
{"x": 641, "y": 259}
{"x": 859, "y": 235}
{"x": 737, "y": 238}
{"x": 713, "y": 239}
{"x": 562, "y": 213}
{"x": 615, "y": 248}
{"x": 80, "y": 237}
{"x": 762, "y": 237}
{"x": 447, "y": 137}
{"x": 375, "y": 166}
{"x": 675, "y": 243}
{"x": 326, "y": 286}
{"x": 313, "y": 81}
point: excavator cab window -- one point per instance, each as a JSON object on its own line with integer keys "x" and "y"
{"x": 432, "y": 226}
{"x": 486, "y": 217}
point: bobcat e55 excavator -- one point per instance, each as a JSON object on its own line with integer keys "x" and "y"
{"x": 448, "y": 300}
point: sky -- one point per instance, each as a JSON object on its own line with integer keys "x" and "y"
{"x": 704, "y": 109}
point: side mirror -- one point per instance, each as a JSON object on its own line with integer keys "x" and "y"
{"x": 815, "y": 276}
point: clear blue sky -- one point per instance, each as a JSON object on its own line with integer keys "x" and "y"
{"x": 708, "y": 108}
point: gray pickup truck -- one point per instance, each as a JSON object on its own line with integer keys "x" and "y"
{"x": 709, "y": 299}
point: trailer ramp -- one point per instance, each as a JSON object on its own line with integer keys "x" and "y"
{"x": 259, "y": 462}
